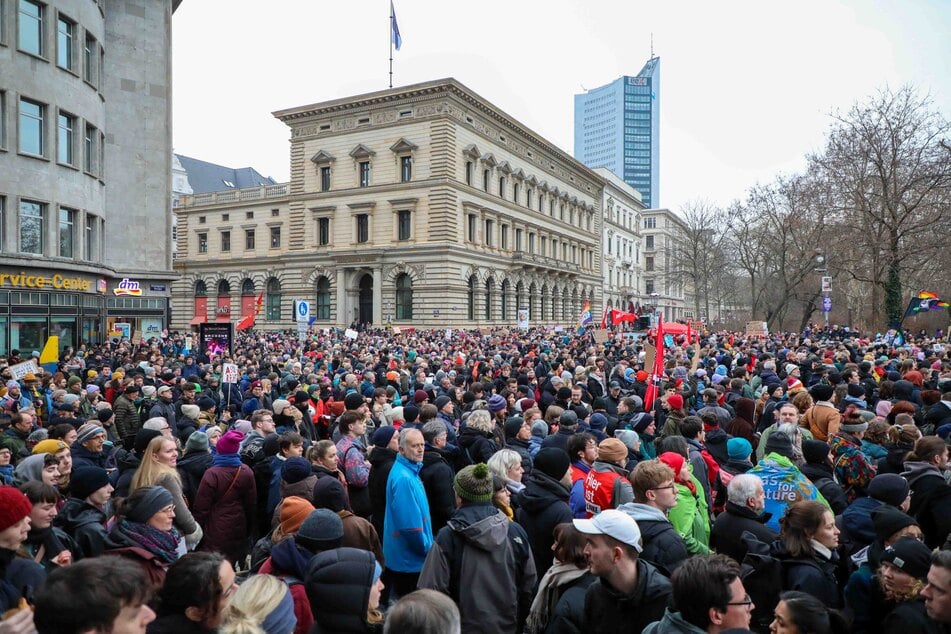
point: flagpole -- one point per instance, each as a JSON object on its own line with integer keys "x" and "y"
{"x": 390, "y": 37}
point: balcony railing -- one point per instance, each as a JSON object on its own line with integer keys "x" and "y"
{"x": 545, "y": 262}
{"x": 233, "y": 195}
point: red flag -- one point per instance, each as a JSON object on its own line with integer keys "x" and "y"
{"x": 259, "y": 303}
{"x": 244, "y": 324}
{"x": 604, "y": 319}
{"x": 653, "y": 389}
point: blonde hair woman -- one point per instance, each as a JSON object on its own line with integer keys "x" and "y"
{"x": 158, "y": 469}
{"x": 261, "y": 605}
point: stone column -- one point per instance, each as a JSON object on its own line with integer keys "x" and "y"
{"x": 378, "y": 296}
{"x": 341, "y": 278}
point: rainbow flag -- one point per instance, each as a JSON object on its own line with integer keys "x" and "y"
{"x": 586, "y": 317}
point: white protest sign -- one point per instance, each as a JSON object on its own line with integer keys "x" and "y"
{"x": 20, "y": 370}
{"x": 350, "y": 333}
{"x": 229, "y": 373}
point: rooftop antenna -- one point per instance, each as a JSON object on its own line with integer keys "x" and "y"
{"x": 652, "y": 46}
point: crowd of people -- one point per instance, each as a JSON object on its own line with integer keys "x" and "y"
{"x": 473, "y": 481}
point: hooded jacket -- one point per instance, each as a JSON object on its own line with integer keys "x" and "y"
{"x": 483, "y": 561}
{"x": 407, "y": 534}
{"x": 930, "y": 501}
{"x": 673, "y": 623}
{"x": 342, "y": 578}
{"x": 662, "y": 544}
{"x": 607, "y": 611}
{"x": 86, "y": 524}
{"x": 544, "y": 505}
{"x": 381, "y": 462}
{"x": 729, "y": 526}
{"x": 812, "y": 574}
{"x": 783, "y": 484}
{"x": 437, "y": 475}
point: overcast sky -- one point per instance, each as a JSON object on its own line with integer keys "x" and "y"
{"x": 746, "y": 86}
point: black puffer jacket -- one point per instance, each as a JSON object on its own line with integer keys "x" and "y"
{"x": 437, "y": 476}
{"x": 822, "y": 477}
{"x": 192, "y": 467}
{"x": 476, "y": 446}
{"x": 663, "y": 545}
{"x": 544, "y": 505}
{"x": 341, "y": 578}
{"x": 126, "y": 462}
{"x": 729, "y": 526}
{"x": 86, "y": 524}
{"x": 813, "y": 575}
{"x": 381, "y": 461}
{"x": 607, "y": 611}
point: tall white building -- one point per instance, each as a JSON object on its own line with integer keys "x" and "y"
{"x": 621, "y": 264}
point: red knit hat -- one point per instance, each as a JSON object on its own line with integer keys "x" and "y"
{"x": 673, "y": 460}
{"x": 676, "y": 401}
{"x": 14, "y": 506}
{"x": 641, "y": 376}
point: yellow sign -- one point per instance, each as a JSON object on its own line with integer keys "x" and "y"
{"x": 22, "y": 280}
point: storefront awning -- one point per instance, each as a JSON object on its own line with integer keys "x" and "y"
{"x": 200, "y": 319}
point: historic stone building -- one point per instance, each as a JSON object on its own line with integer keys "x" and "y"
{"x": 622, "y": 248}
{"x": 418, "y": 206}
{"x": 666, "y": 286}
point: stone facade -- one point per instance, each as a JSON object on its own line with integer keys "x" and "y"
{"x": 622, "y": 267}
{"x": 666, "y": 287}
{"x": 418, "y": 206}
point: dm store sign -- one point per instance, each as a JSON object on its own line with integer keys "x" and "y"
{"x": 127, "y": 287}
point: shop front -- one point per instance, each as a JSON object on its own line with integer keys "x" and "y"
{"x": 38, "y": 303}
{"x": 136, "y": 309}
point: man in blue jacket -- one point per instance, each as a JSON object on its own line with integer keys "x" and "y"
{"x": 407, "y": 532}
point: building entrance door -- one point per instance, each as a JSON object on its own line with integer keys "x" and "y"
{"x": 366, "y": 299}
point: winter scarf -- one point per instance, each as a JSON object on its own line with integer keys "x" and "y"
{"x": 287, "y": 558}
{"x": 542, "y": 608}
{"x": 162, "y": 544}
{"x": 226, "y": 460}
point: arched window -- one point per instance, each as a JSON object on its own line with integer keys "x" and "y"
{"x": 273, "y": 299}
{"x": 489, "y": 283}
{"x": 201, "y": 289}
{"x": 247, "y": 288}
{"x": 322, "y": 307}
{"x": 519, "y": 297}
{"x": 471, "y": 296}
{"x": 224, "y": 288}
{"x": 404, "y": 296}
{"x": 505, "y": 299}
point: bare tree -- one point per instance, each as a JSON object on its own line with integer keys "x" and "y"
{"x": 889, "y": 172}
{"x": 701, "y": 251}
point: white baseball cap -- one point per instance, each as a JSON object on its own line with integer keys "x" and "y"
{"x": 613, "y": 523}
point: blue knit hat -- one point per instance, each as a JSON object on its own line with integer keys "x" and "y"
{"x": 738, "y": 448}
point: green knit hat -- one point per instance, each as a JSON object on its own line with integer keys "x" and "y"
{"x": 474, "y": 483}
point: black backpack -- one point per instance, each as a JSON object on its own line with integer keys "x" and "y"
{"x": 763, "y": 578}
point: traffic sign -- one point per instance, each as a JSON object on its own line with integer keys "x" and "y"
{"x": 301, "y": 310}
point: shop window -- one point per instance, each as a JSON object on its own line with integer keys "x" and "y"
{"x": 28, "y": 333}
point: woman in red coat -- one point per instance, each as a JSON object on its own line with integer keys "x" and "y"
{"x": 226, "y": 500}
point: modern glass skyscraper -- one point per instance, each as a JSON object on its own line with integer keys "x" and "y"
{"x": 617, "y": 126}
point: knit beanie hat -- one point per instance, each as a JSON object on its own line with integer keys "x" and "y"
{"x": 612, "y": 450}
{"x": 540, "y": 429}
{"x": 442, "y": 401}
{"x": 568, "y": 419}
{"x": 296, "y": 469}
{"x": 512, "y": 426}
{"x": 155, "y": 499}
{"x": 142, "y": 439}
{"x": 229, "y": 442}
{"x": 73, "y": 380}
{"x": 780, "y": 443}
{"x": 197, "y": 441}
{"x": 353, "y": 400}
{"x": 821, "y": 392}
{"x": 49, "y": 446}
{"x": 294, "y": 510}
{"x": 552, "y": 461}
{"x": 14, "y": 506}
{"x": 89, "y": 431}
{"x": 815, "y": 451}
{"x": 676, "y": 401}
{"x": 497, "y": 403}
{"x": 205, "y": 402}
{"x": 474, "y": 483}
{"x": 383, "y": 436}
{"x": 628, "y": 437}
{"x": 643, "y": 423}
{"x": 300, "y": 397}
{"x": 280, "y": 405}
{"x": 856, "y": 390}
{"x": 910, "y": 555}
{"x": 191, "y": 411}
{"x": 738, "y": 448}
{"x": 889, "y": 488}
{"x": 888, "y": 520}
{"x": 673, "y": 460}
{"x": 322, "y": 530}
{"x": 598, "y": 421}
{"x": 419, "y": 396}
{"x": 148, "y": 391}
{"x": 332, "y": 497}
{"x": 84, "y": 481}
{"x": 410, "y": 413}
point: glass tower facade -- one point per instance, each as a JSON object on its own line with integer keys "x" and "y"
{"x": 617, "y": 126}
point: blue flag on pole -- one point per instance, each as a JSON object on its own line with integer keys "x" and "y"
{"x": 394, "y": 28}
